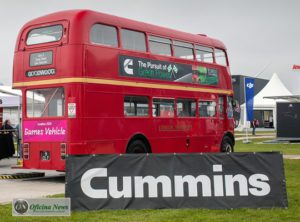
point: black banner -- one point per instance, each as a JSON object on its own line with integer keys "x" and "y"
{"x": 214, "y": 181}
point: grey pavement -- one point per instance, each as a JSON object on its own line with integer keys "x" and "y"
{"x": 52, "y": 183}
{"x": 255, "y": 137}
{"x": 292, "y": 157}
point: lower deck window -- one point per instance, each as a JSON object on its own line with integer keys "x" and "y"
{"x": 45, "y": 102}
{"x": 136, "y": 106}
{"x": 163, "y": 107}
{"x": 186, "y": 107}
{"x": 207, "y": 108}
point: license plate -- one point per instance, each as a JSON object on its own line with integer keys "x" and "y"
{"x": 45, "y": 155}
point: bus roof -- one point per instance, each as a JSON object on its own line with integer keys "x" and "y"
{"x": 82, "y": 20}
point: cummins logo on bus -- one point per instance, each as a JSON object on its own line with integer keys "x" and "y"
{"x": 176, "y": 181}
{"x": 41, "y": 72}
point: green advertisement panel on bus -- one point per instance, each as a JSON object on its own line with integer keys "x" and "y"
{"x": 161, "y": 70}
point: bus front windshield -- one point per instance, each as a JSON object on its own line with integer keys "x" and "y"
{"x": 49, "y": 102}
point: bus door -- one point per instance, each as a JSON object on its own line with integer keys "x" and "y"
{"x": 186, "y": 124}
{"x": 207, "y": 124}
{"x": 166, "y": 133}
{"x": 221, "y": 116}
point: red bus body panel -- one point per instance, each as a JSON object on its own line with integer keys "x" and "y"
{"x": 88, "y": 72}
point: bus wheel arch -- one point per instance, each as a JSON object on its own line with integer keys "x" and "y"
{"x": 138, "y": 144}
{"x": 228, "y": 142}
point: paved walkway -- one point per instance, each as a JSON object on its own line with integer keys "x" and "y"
{"x": 52, "y": 183}
{"x": 255, "y": 137}
{"x": 292, "y": 157}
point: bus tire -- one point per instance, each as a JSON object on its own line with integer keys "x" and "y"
{"x": 137, "y": 146}
{"x": 227, "y": 145}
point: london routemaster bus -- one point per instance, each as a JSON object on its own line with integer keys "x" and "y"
{"x": 94, "y": 83}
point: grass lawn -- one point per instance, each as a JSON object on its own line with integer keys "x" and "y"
{"x": 292, "y": 170}
{"x": 257, "y": 146}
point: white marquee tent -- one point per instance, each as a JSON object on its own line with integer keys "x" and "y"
{"x": 7, "y": 100}
{"x": 9, "y": 97}
{"x": 274, "y": 87}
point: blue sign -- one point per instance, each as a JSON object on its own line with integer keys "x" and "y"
{"x": 249, "y": 94}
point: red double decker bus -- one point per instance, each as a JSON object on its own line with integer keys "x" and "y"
{"x": 94, "y": 83}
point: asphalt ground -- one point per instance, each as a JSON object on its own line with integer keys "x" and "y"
{"x": 52, "y": 183}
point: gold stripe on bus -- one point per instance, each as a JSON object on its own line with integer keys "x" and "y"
{"x": 120, "y": 83}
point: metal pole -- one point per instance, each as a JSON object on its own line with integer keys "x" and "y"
{"x": 19, "y": 130}
{"x": 246, "y": 122}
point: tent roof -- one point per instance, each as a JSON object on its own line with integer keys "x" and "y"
{"x": 294, "y": 98}
{"x": 274, "y": 88}
{"x": 9, "y": 97}
{"x": 7, "y": 100}
{"x": 10, "y": 91}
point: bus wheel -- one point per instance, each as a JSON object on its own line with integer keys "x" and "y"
{"x": 137, "y": 146}
{"x": 227, "y": 145}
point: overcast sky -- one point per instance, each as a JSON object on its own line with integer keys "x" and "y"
{"x": 262, "y": 36}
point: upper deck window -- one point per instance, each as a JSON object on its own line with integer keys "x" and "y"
{"x": 104, "y": 34}
{"x": 44, "y": 35}
{"x": 220, "y": 57}
{"x": 133, "y": 40}
{"x": 204, "y": 54}
{"x": 183, "y": 50}
{"x": 160, "y": 46}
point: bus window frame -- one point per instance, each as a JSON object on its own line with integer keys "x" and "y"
{"x": 136, "y": 116}
{"x": 64, "y": 39}
{"x": 133, "y": 30}
{"x": 164, "y": 117}
{"x": 207, "y": 100}
{"x": 46, "y": 117}
{"x": 223, "y": 114}
{"x": 225, "y": 54}
{"x": 196, "y": 107}
{"x": 104, "y": 45}
{"x": 149, "y": 35}
{"x": 203, "y": 48}
{"x": 178, "y": 43}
